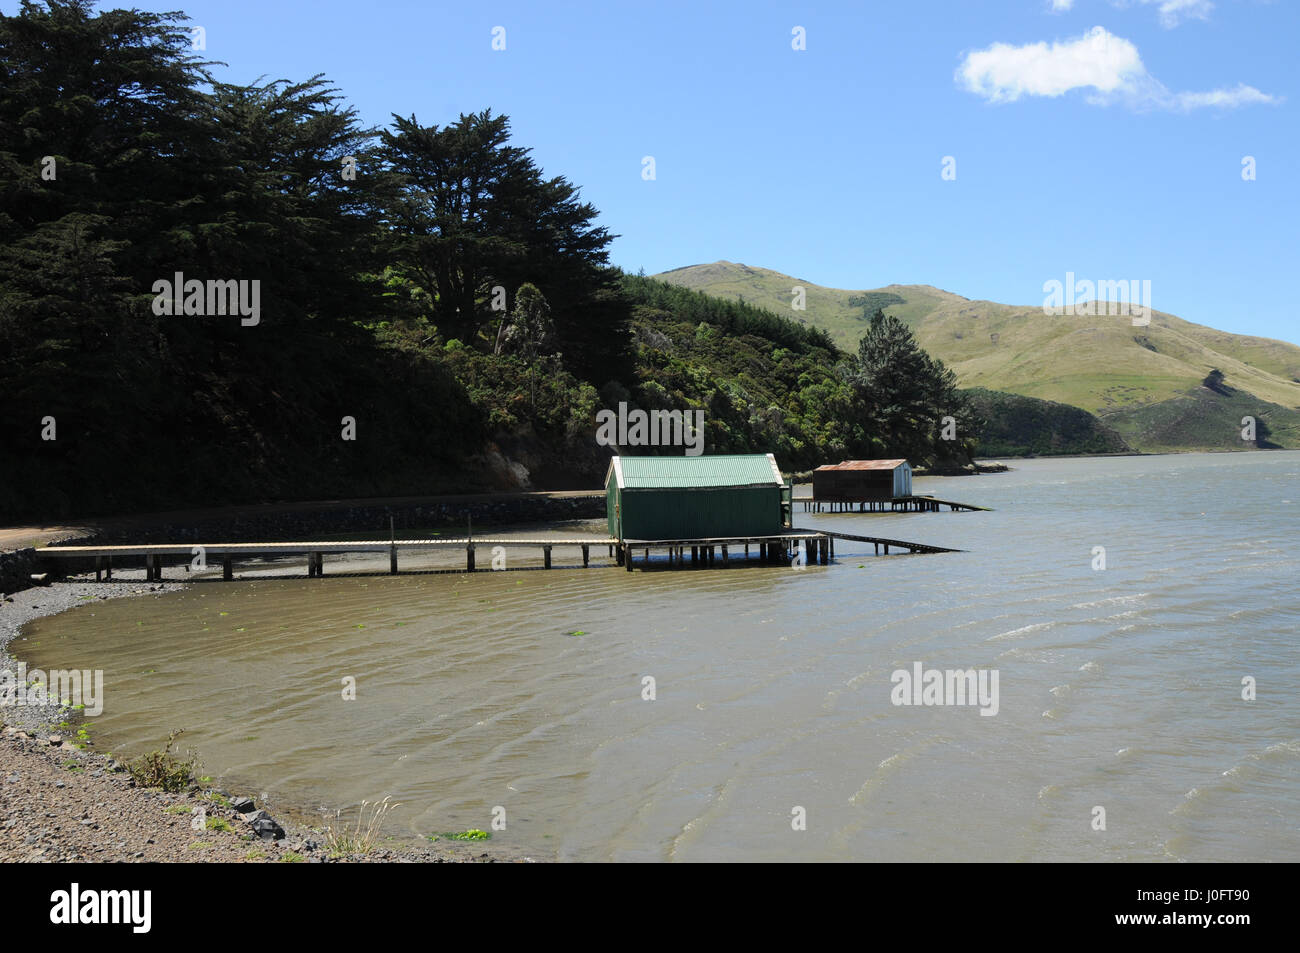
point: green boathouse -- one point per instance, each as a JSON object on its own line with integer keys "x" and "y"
{"x": 727, "y": 496}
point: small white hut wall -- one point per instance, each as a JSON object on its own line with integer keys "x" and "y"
{"x": 903, "y": 480}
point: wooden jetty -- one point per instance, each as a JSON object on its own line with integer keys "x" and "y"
{"x": 154, "y": 554}
{"x": 900, "y": 505}
{"x": 881, "y": 542}
{"x": 818, "y": 546}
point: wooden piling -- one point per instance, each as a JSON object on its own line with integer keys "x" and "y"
{"x": 392, "y": 561}
{"x": 99, "y": 567}
{"x": 585, "y": 556}
{"x": 546, "y": 557}
{"x": 724, "y": 555}
{"x": 469, "y": 558}
{"x": 227, "y": 569}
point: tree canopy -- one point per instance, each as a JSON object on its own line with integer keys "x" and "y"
{"x": 907, "y": 402}
{"x": 429, "y": 282}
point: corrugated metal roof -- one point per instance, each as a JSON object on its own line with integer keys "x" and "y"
{"x": 864, "y": 465}
{"x": 741, "y": 469}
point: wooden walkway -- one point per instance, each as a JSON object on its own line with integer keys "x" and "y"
{"x": 153, "y": 554}
{"x": 818, "y": 547}
{"x": 880, "y": 542}
{"x": 903, "y": 504}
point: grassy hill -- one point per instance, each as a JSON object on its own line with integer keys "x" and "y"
{"x": 1099, "y": 363}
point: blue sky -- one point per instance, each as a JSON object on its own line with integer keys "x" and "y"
{"x": 1105, "y": 137}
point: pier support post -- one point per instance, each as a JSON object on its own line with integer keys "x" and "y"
{"x": 831, "y": 540}
{"x": 546, "y": 556}
{"x": 392, "y": 561}
{"x": 108, "y": 568}
{"x": 724, "y": 555}
{"x": 227, "y": 568}
{"x": 586, "y": 556}
{"x": 469, "y": 558}
{"x": 99, "y": 567}
{"x": 823, "y": 551}
{"x": 810, "y": 554}
{"x": 627, "y": 558}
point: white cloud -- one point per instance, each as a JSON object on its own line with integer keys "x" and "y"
{"x": 1004, "y": 73}
{"x": 1242, "y": 95}
{"x": 1174, "y": 12}
{"x": 1060, "y": 6}
{"x": 1107, "y": 65}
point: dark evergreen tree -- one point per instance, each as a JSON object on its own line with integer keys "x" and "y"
{"x": 903, "y": 395}
{"x": 467, "y": 212}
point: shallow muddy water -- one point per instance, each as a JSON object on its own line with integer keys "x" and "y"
{"x": 1118, "y": 688}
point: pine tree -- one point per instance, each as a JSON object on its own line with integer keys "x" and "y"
{"x": 467, "y": 212}
{"x": 903, "y": 395}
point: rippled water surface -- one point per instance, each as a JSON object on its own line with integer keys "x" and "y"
{"x": 1118, "y": 688}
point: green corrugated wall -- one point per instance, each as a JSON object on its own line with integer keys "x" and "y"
{"x": 694, "y": 513}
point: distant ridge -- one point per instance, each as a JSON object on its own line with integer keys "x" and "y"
{"x": 1100, "y": 363}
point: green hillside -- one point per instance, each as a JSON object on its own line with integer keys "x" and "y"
{"x": 1017, "y": 426}
{"x": 1100, "y": 363}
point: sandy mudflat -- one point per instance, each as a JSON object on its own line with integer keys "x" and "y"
{"x": 61, "y": 803}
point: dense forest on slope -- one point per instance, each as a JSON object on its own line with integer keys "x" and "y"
{"x": 214, "y": 293}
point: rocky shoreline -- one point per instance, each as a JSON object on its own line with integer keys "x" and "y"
{"x": 62, "y": 803}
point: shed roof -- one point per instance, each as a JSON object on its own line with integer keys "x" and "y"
{"x": 739, "y": 469}
{"x": 864, "y": 465}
